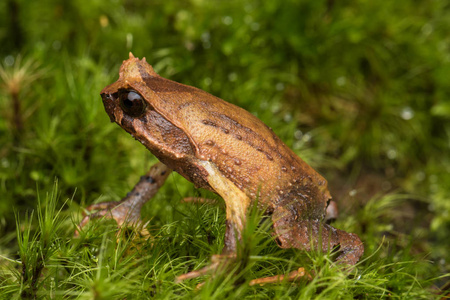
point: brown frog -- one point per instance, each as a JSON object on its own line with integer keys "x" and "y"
{"x": 225, "y": 149}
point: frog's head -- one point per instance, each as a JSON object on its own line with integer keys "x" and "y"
{"x": 136, "y": 103}
{"x": 138, "y": 89}
{"x": 121, "y": 98}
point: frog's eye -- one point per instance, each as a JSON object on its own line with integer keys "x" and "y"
{"x": 132, "y": 103}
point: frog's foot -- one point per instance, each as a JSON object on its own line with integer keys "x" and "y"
{"x": 313, "y": 234}
{"x": 218, "y": 263}
{"x": 296, "y": 275}
{"x": 351, "y": 248}
{"x": 120, "y": 211}
{"x": 128, "y": 211}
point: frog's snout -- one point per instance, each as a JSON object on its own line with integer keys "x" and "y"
{"x": 109, "y": 103}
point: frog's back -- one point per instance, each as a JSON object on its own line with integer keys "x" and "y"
{"x": 244, "y": 149}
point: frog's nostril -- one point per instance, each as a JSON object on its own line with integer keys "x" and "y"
{"x": 108, "y": 102}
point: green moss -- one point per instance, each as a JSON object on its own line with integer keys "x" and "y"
{"x": 358, "y": 89}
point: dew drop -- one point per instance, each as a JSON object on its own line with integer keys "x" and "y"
{"x": 341, "y": 81}
{"x": 298, "y": 134}
{"x": 407, "y": 113}
{"x": 227, "y": 20}
{"x": 392, "y": 154}
{"x": 9, "y": 60}
{"x": 279, "y": 86}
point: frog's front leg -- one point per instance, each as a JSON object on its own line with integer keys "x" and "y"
{"x": 237, "y": 203}
{"x": 128, "y": 210}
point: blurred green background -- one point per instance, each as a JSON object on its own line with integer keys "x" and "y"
{"x": 359, "y": 89}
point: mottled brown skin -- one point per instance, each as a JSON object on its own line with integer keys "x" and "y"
{"x": 223, "y": 148}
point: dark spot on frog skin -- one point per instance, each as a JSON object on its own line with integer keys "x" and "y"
{"x": 238, "y": 137}
{"x": 269, "y": 157}
{"x": 149, "y": 179}
{"x": 184, "y": 105}
{"x": 132, "y": 193}
{"x": 209, "y": 143}
{"x": 237, "y": 162}
{"x": 210, "y": 123}
{"x": 284, "y": 169}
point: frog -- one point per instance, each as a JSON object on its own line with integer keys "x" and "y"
{"x": 223, "y": 148}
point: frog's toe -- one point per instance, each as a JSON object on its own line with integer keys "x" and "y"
{"x": 110, "y": 210}
{"x": 221, "y": 263}
{"x": 218, "y": 263}
{"x": 351, "y": 247}
{"x": 197, "y": 273}
{"x": 296, "y": 275}
{"x": 100, "y": 206}
{"x": 87, "y": 218}
{"x": 332, "y": 212}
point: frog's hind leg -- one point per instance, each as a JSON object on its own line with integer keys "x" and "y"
{"x": 309, "y": 234}
{"x": 128, "y": 210}
{"x": 314, "y": 234}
